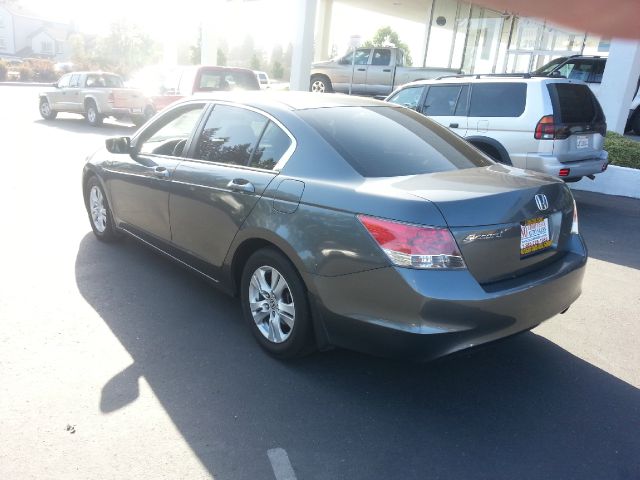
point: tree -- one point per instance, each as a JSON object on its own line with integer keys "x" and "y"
{"x": 255, "y": 62}
{"x": 385, "y": 37}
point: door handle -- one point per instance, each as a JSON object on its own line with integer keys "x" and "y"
{"x": 241, "y": 185}
{"x": 161, "y": 172}
{"x": 386, "y": 69}
{"x": 361, "y": 69}
{"x": 453, "y": 125}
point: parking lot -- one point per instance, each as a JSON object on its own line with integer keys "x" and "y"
{"x": 116, "y": 363}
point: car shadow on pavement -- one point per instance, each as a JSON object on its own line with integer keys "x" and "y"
{"x": 520, "y": 409}
{"x": 80, "y": 125}
{"x": 610, "y": 226}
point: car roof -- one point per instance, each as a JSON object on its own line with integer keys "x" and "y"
{"x": 290, "y": 100}
{"x": 491, "y": 79}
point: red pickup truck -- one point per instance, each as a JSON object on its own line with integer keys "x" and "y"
{"x": 166, "y": 86}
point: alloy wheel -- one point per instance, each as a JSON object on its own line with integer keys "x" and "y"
{"x": 318, "y": 86}
{"x": 98, "y": 209}
{"x": 271, "y": 304}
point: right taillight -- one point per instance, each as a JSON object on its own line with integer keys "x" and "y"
{"x": 574, "y": 225}
{"x": 414, "y": 246}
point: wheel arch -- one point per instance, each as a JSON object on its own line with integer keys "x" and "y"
{"x": 322, "y": 76}
{"x": 487, "y": 143}
{"x": 91, "y": 98}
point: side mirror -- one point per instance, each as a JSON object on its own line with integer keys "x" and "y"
{"x": 118, "y": 145}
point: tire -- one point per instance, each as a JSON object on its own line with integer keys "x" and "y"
{"x": 492, "y": 152}
{"x": 635, "y": 122}
{"x": 100, "y": 216}
{"x": 320, "y": 84}
{"x": 282, "y": 322}
{"x": 94, "y": 117}
{"x": 139, "y": 121}
{"x": 144, "y": 118}
{"x": 45, "y": 110}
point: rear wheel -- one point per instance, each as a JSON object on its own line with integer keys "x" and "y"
{"x": 92, "y": 114}
{"x": 320, "y": 84}
{"x": 275, "y": 304}
{"x": 45, "y": 110}
{"x": 99, "y": 212}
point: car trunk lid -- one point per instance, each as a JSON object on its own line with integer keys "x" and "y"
{"x": 487, "y": 209}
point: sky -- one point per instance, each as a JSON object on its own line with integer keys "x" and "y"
{"x": 270, "y": 22}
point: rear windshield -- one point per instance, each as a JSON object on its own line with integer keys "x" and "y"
{"x": 214, "y": 80}
{"x": 574, "y": 103}
{"x": 392, "y": 141}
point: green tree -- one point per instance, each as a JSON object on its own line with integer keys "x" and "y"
{"x": 255, "y": 62}
{"x": 385, "y": 37}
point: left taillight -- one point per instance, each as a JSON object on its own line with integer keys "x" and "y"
{"x": 414, "y": 246}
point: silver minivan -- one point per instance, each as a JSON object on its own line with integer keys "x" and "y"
{"x": 551, "y": 125}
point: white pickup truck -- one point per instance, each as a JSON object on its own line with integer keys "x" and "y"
{"x": 376, "y": 71}
{"x": 95, "y": 95}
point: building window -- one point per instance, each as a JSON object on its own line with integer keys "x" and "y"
{"x": 46, "y": 47}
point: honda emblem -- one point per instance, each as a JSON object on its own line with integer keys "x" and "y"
{"x": 542, "y": 202}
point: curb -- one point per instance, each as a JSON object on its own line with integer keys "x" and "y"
{"x": 614, "y": 180}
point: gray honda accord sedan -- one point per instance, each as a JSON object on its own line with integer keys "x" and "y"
{"x": 342, "y": 221}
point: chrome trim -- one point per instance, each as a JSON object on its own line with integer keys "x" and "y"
{"x": 137, "y": 237}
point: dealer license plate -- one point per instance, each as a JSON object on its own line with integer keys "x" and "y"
{"x": 582, "y": 141}
{"x": 136, "y": 110}
{"x": 534, "y": 236}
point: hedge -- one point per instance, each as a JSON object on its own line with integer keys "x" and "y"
{"x": 623, "y": 151}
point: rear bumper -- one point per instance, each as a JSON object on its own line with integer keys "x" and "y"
{"x": 579, "y": 168}
{"x": 124, "y": 112}
{"x": 428, "y": 314}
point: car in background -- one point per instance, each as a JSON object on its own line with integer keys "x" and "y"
{"x": 342, "y": 221}
{"x": 163, "y": 86}
{"x": 263, "y": 79}
{"x": 589, "y": 69}
{"x": 95, "y": 95}
{"x": 551, "y": 125}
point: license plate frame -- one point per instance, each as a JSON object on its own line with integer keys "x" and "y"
{"x": 582, "y": 141}
{"x": 535, "y": 236}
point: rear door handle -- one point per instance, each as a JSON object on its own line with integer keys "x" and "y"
{"x": 386, "y": 70}
{"x": 361, "y": 69}
{"x": 161, "y": 172}
{"x": 241, "y": 185}
{"x": 453, "y": 125}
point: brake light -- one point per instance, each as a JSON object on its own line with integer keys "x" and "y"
{"x": 414, "y": 246}
{"x": 564, "y": 172}
{"x": 545, "y": 129}
{"x": 574, "y": 225}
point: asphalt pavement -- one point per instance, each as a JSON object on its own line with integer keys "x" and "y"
{"x": 117, "y": 364}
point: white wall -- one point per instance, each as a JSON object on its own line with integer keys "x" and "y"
{"x": 6, "y": 32}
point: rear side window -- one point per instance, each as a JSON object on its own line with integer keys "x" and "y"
{"x": 230, "y": 135}
{"x": 381, "y": 56}
{"x": 391, "y": 141}
{"x": 227, "y": 80}
{"x": 408, "y": 97}
{"x": 574, "y": 103}
{"x": 498, "y": 99}
{"x": 272, "y": 146}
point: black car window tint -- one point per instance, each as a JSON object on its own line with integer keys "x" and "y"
{"x": 408, "y": 97}
{"x": 463, "y": 100}
{"x": 498, "y": 99}
{"x": 172, "y": 133}
{"x": 272, "y": 146}
{"x": 381, "y": 56}
{"x": 441, "y": 100}
{"x": 230, "y": 135}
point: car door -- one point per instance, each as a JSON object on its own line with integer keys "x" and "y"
{"x": 73, "y": 100}
{"x": 380, "y": 72}
{"x": 228, "y": 169}
{"x": 342, "y": 78}
{"x": 139, "y": 185}
{"x": 447, "y": 105}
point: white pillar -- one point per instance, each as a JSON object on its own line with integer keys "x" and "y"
{"x": 214, "y": 15}
{"x": 619, "y": 82}
{"x": 303, "y": 45}
{"x": 323, "y": 30}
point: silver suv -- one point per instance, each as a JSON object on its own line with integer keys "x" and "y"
{"x": 551, "y": 125}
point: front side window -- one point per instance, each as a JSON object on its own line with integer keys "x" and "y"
{"x": 362, "y": 57}
{"x": 381, "y": 56}
{"x": 230, "y": 135}
{"x": 498, "y": 99}
{"x": 75, "y": 80}
{"x": 441, "y": 100}
{"x": 171, "y": 132}
{"x": 64, "y": 81}
{"x": 408, "y": 97}
{"x": 272, "y": 146}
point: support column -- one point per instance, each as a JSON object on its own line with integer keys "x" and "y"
{"x": 303, "y": 45}
{"x": 323, "y": 30}
{"x": 619, "y": 82}
{"x": 216, "y": 12}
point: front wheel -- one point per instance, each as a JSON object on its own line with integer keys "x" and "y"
{"x": 94, "y": 117}
{"x": 99, "y": 212}
{"x": 320, "y": 84}
{"x": 275, "y": 304}
{"x": 45, "y": 110}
